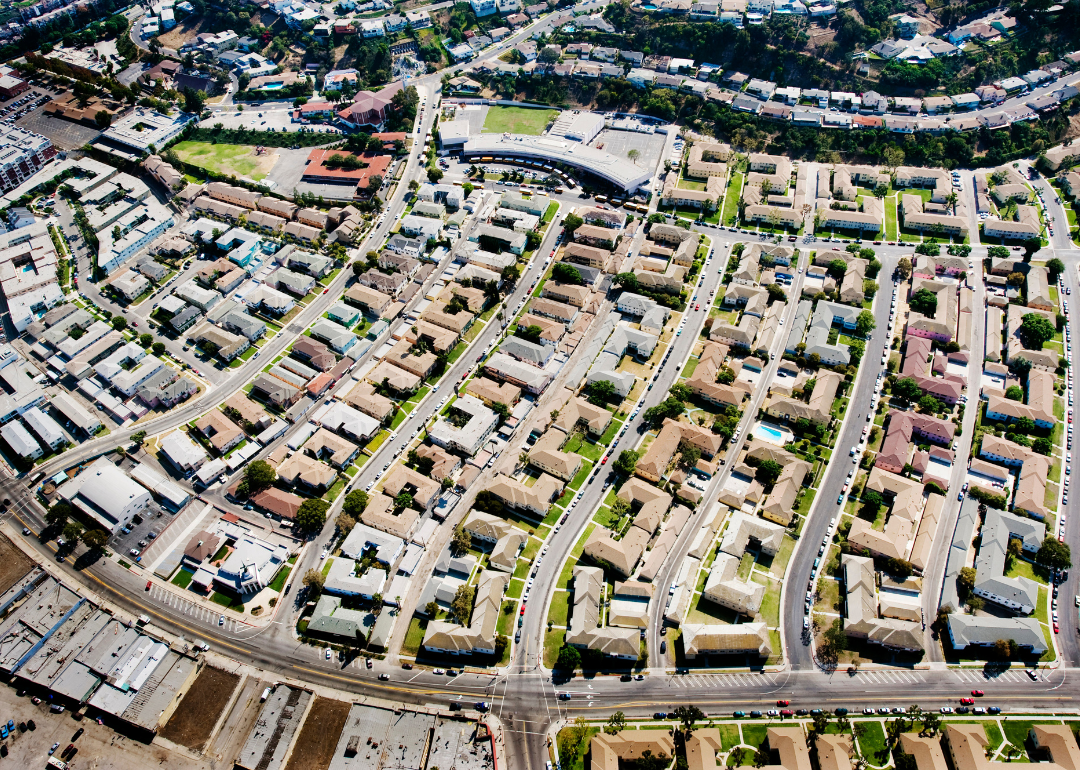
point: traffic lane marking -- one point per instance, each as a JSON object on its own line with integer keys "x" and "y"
{"x": 743, "y": 701}
{"x": 385, "y": 686}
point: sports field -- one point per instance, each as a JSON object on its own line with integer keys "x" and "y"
{"x": 517, "y": 120}
{"x": 238, "y": 159}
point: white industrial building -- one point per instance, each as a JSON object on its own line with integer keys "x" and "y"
{"x": 106, "y": 494}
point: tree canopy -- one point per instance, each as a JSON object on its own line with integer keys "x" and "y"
{"x": 865, "y": 323}
{"x": 1036, "y": 330}
{"x": 924, "y": 301}
{"x": 311, "y": 515}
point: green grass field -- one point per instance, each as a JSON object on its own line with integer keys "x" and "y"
{"x": 222, "y": 158}
{"x": 517, "y": 120}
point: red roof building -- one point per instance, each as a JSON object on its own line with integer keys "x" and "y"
{"x": 371, "y": 109}
{"x": 317, "y": 170}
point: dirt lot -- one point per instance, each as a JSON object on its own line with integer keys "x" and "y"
{"x": 319, "y": 736}
{"x": 99, "y": 746}
{"x": 13, "y": 563}
{"x": 195, "y": 717}
{"x": 182, "y": 32}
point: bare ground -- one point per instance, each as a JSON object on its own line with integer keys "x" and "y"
{"x": 182, "y": 32}
{"x": 13, "y": 563}
{"x": 195, "y": 717}
{"x": 318, "y": 737}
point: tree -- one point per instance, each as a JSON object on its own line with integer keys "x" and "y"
{"x": 1014, "y": 393}
{"x": 924, "y": 301}
{"x": 95, "y": 540}
{"x": 1043, "y": 446}
{"x": 462, "y": 604}
{"x": 892, "y": 156}
{"x": 1054, "y": 555}
{"x": 461, "y": 542}
{"x": 965, "y": 581}
{"x": 355, "y": 502}
{"x": 313, "y": 582}
{"x": 690, "y": 454}
{"x": 311, "y": 515}
{"x": 146, "y": 340}
{"x": 431, "y": 609}
{"x": 865, "y": 324}
{"x": 564, "y": 272}
{"x": 103, "y": 119}
{"x": 209, "y": 348}
{"x": 616, "y": 723}
{"x": 907, "y": 389}
{"x": 1035, "y": 330}
{"x": 1056, "y": 267}
{"x": 58, "y": 514}
{"x": 837, "y": 268}
{"x": 689, "y": 716}
{"x": 768, "y": 472}
{"x": 601, "y": 392}
{"x": 158, "y": 348}
{"x": 119, "y": 323}
{"x": 929, "y": 405}
{"x": 402, "y": 501}
{"x": 569, "y": 658}
{"x": 904, "y": 267}
{"x": 259, "y": 475}
{"x": 345, "y": 523}
{"x": 776, "y": 293}
{"x": 627, "y": 462}
{"x": 572, "y": 222}
{"x": 511, "y": 273}
{"x": 434, "y": 175}
{"x": 138, "y": 437}
{"x": 670, "y": 407}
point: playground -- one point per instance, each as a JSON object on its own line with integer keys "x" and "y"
{"x": 253, "y": 162}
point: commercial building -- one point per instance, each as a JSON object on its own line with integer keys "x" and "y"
{"x": 107, "y": 495}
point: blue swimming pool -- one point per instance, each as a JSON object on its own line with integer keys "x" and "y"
{"x": 772, "y": 434}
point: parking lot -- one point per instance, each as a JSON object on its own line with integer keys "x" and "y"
{"x": 30, "y": 114}
{"x": 271, "y": 118}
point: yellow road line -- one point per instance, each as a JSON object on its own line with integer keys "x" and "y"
{"x": 736, "y": 701}
{"x": 387, "y": 686}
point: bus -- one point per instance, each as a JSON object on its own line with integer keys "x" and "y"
{"x": 601, "y": 199}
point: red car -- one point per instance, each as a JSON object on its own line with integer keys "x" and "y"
{"x": 783, "y": 703}
{"x": 978, "y": 693}
{"x": 1056, "y": 629}
{"x": 147, "y": 585}
{"x": 326, "y": 291}
{"x": 522, "y": 610}
{"x": 966, "y": 701}
{"x": 604, "y": 461}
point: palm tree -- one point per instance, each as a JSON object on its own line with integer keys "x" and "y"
{"x": 523, "y": 459}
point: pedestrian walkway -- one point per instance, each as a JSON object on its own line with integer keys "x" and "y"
{"x": 692, "y": 681}
{"x": 979, "y": 676}
{"x": 195, "y": 610}
{"x": 892, "y": 676}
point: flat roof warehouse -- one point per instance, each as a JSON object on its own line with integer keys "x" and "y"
{"x": 618, "y": 171}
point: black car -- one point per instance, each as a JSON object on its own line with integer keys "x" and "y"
{"x": 659, "y": 715}
{"x": 963, "y": 710}
{"x": 801, "y": 712}
{"x": 755, "y": 714}
{"x": 815, "y": 712}
{"x": 841, "y": 712}
{"x": 993, "y": 710}
{"x": 406, "y": 665}
{"x": 455, "y": 707}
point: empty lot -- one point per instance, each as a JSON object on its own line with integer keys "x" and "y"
{"x": 195, "y": 717}
{"x": 314, "y": 748}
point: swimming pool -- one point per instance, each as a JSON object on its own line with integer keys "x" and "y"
{"x": 772, "y": 434}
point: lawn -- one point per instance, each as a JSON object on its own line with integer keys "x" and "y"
{"x": 228, "y": 159}
{"x": 1021, "y": 568}
{"x": 729, "y": 736}
{"x": 1016, "y": 731}
{"x": 754, "y": 735}
{"x": 731, "y": 200}
{"x": 578, "y": 445}
{"x": 415, "y": 636}
{"x": 558, "y": 610}
{"x": 182, "y": 578}
{"x": 517, "y": 120}
{"x": 873, "y": 745}
{"x": 226, "y": 601}
{"x": 278, "y": 582}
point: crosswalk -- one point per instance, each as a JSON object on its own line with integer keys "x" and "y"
{"x": 892, "y": 676}
{"x": 193, "y": 610}
{"x": 976, "y": 676}
{"x": 691, "y": 681}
